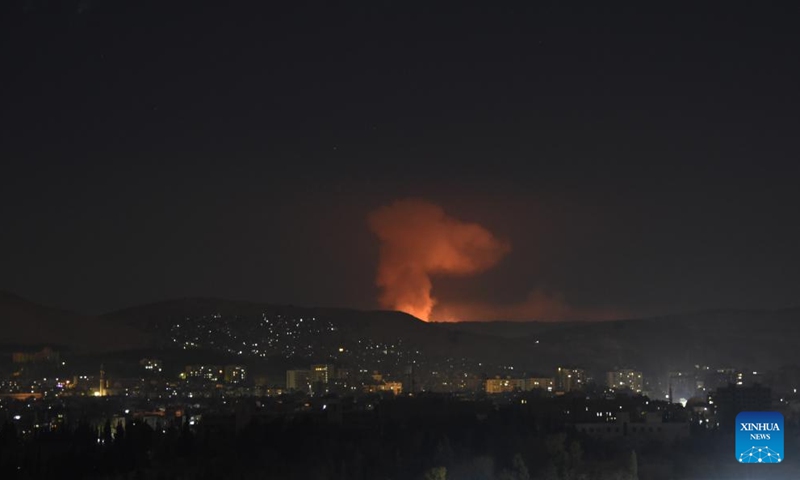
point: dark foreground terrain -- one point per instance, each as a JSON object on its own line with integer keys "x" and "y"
{"x": 428, "y": 437}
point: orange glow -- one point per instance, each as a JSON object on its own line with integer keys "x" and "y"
{"x": 419, "y": 240}
{"x": 539, "y": 305}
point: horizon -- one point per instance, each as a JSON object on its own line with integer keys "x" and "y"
{"x": 380, "y": 310}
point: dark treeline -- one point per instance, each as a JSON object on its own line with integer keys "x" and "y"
{"x": 417, "y": 444}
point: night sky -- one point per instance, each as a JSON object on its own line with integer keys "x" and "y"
{"x": 638, "y": 160}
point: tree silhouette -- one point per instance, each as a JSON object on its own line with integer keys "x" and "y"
{"x": 633, "y": 466}
{"x": 107, "y": 432}
{"x": 436, "y": 473}
{"x": 519, "y": 471}
{"x": 443, "y": 454}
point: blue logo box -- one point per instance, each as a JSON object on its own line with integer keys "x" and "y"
{"x": 759, "y": 437}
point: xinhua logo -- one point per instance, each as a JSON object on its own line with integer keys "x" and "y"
{"x": 759, "y": 437}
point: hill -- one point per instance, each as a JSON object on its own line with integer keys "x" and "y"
{"x": 759, "y": 339}
{"x": 737, "y": 338}
{"x": 292, "y": 335}
{"x": 27, "y": 324}
{"x": 264, "y": 330}
{"x": 508, "y": 329}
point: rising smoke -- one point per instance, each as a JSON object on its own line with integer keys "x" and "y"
{"x": 418, "y": 240}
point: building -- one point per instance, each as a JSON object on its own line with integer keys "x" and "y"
{"x": 504, "y": 385}
{"x": 322, "y": 373}
{"x": 211, "y": 373}
{"x": 569, "y": 379}
{"x": 298, "y": 381}
{"x": 785, "y": 380}
{"x": 652, "y": 429}
{"x": 101, "y": 390}
{"x": 540, "y": 383}
{"x": 322, "y": 376}
{"x": 151, "y": 365}
{"x": 749, "y": 379}
{"x": 729, "y": 401}
{"x": 215, "y": 373}
{"x": 684, "y": 386}
{"x": 234, "y": 373}
{"x": 625, "y": 379}
{"x": 719, "y": 378}
{"x": 394, "y": 387}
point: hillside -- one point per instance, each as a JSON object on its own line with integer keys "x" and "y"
{"x": 508, "y": 329}
{"x": 315, "y": 333}
{"x": 719, "y": 338}
{"x": 736, "y": 338}
{"x": 384, "y": 339}
{"x": 25, "y": 323}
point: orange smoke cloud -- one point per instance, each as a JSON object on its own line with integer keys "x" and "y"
{"x": 419, "y": 240}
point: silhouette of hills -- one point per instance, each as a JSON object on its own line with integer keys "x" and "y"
{"x": 344, "y": 326}
{"x": 24, "y": 323}
{"x": 758, "y": 339}
{"x": 736, "y": 338}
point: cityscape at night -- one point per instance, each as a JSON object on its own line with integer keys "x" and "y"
{"x": 372, "y": 384}
{"x": 399, "y": 241}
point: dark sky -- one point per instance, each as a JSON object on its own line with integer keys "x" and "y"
{"x": 641, "y": 159}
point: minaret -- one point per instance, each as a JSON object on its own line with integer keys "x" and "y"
{"x": 102, "y": 381}
{"x": 670, "y": 389}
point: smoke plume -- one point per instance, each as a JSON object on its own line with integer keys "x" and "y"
{"x": 418, "y": 240}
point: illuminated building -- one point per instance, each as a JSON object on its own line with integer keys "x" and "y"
{"x": 102, "y": 384}
{"x": 504, "y": 385}
{"x": 625, "y": 379}
{"x": 151, "y": 364}
{"x": 321, "y": 376}
{"x": 102, "y": 390}
{"x": 540, "y": 383}
{"x": 215, "y": 373}
{"x": 683, "y": 386}
{"x": 321, "y": 373}
{"x": 298, "y": 380}
{"x": 718, "y": 378}
{"x": 234, "y": 373}
{"x": 569, "y": 379}
{"x": 394, "y": 387}
{"x": 211, "y": 373}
